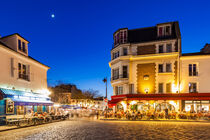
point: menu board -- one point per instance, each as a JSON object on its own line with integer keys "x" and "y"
{"x": 9, "y": 106}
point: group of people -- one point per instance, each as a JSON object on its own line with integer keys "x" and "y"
{"x": 153, "y": 114}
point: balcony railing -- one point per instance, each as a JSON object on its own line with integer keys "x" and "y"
{"x": 24, "y": 77}
{"x": 119, "y": 76}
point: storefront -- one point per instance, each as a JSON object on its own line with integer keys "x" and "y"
{"x": 195, "y": 102}
{"x": 14, "y": 102}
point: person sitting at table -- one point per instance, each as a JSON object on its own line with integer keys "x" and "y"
{"x": 35, "y": 114}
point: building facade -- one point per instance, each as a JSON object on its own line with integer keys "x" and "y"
{"x": 148, "y": 70}
{"x": 23, "y": 80}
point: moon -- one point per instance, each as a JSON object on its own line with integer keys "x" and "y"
{"x": 52, "y": 15}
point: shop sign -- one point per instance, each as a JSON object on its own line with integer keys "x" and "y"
{"x": 9, "y": 106}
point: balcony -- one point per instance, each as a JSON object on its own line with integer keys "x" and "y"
{"x": 119, "y": 77}
{"x": 24, "y": 77}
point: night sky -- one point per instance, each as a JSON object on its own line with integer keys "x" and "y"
{"x": 76, "y": 43}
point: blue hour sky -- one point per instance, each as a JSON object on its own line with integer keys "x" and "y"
{"x": 76, "y": 43}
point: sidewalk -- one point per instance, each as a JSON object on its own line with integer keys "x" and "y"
{"x": 5, "y": 128}
{"x": 159, "y": 120}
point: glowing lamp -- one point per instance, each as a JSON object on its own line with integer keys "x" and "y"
{"x": 146, "y": 90}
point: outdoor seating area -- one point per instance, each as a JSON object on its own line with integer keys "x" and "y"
{"x": 134, "y": 115}
{"x": 35, "y": 119}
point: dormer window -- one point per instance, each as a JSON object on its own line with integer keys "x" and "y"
{"x": 164, "y": 30}
{"x": 160, "y": 31}
{"x": 24, "y": 47}
{"x": 168, "y": 30}
{"x": 21, "y": 46}
{"x": 120, "y": 37}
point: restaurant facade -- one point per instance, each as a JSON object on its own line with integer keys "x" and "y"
{"x": 149, "y": 71}
{"x": 23, "y": 80}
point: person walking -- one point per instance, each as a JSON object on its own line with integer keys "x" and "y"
{"x": 166, "y": 113}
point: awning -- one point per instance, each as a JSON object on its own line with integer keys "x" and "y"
{"x": 31, "y": 102}
{"x": 26, "y": 98}
{"x": 165, "y": 96}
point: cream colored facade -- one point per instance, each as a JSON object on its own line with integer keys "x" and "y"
{"x": 150, "y": 61}
{"x": 10, "y": 57}
{"x": 132, "y": 60}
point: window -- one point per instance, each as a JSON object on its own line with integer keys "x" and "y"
{"x": 120, "y": 37}
{"x": 115, "y": 74}
{"x": 20, "y": 110}
{"x": 23, "y": 71}
{"x": 23, "y": 45}
{"x": 168, "y": 30}
{"x": 115, "y": 55}
{"x": 120, "y": 90}
{"x": 160, "y": 48}
{"x": 168, "y": 67}
{"x": 19, "y": 44}
{"x": 125, "y": 51}
{"x": 116, "y": 90}
{"x": 193, "y": 70}
{"x": 131, "y": 88}
{"x": 125, "y": 36}
{"x": 125, "y": 72}
{"x": 160, "y": 88}
{"x": 168, "y": 48}
{"x": 168, "y": 88}
{"x": 160, "y": 68}
{"x": 192, "y": 87}
{"x": 160, "y": 31}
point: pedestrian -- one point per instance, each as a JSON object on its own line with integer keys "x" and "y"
{"x": 166, "y": 113}
{"x": 97, "y": 113}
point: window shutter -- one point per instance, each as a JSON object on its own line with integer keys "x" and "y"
{"x": 28, "y": 72}
{"x": 12, "y": 67}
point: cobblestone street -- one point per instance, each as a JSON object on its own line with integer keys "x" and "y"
{"x": 93, "y": 130}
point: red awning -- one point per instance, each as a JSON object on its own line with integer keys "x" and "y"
{"x": 167, "y": 96}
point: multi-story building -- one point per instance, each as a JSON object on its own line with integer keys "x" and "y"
{"x": 23, "y": 80}
{"x": 148, "y": 70}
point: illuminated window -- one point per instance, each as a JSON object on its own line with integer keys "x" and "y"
{"x": 20, "y": 110}
{"x": 23, "y": 71}
{"x": 192, "y": 87}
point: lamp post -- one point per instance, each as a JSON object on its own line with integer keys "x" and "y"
{"x": 105, "y": 81}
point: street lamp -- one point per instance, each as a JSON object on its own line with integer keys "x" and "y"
{"x": 105, "y": 81}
